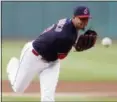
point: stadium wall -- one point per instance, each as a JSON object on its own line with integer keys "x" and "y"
{"x": 28, "y": 19}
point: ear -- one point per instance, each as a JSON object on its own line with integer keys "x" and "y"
{"x": 73, "y": 17}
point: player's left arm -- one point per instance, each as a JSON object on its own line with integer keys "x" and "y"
{"x": 86, "y": 40}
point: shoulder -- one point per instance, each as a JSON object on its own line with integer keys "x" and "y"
{"x": 63, "y": 21}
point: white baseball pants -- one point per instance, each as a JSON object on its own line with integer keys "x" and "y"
{"x": 22, "y": 71}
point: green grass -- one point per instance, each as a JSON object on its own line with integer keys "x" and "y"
{"x": 96, "y": 64}
{"x": 72, "y": 99}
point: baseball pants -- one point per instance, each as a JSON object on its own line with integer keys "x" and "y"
{"x": 22, "y": 71}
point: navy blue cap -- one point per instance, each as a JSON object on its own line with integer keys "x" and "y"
{"x": 82, "y": 12}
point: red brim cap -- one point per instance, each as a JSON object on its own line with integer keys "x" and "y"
{"x": 85, "y": 16}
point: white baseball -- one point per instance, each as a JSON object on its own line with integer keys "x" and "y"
{"x": 106, "y": 41}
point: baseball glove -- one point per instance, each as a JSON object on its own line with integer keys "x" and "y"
{"x": 86, "y": 41}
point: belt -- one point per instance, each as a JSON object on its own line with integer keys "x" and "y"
{"x": 35, "y": 52}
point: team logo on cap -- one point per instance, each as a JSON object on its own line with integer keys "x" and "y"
{"x": 86, "y": 11}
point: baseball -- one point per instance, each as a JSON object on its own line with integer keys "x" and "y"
{"x": 106, "y": 41}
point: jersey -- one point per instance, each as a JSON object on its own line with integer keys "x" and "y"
{"x": 56, "y": 40}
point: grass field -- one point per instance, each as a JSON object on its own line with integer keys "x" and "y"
{"x": 60, "y": 98}
{"x": 98, "y": 63}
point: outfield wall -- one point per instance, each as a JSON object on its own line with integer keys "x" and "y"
{"x": 28, "y": 19}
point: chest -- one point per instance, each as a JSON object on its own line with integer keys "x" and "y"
{"x": 68, "y": 37}
{"x": 66, "y": 41}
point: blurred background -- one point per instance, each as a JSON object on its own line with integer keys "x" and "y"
{"x": 28, "y": 19}
{"x": 24, "y": 21}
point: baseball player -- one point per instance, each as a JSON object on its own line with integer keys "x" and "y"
{"x": 42, "y": 56}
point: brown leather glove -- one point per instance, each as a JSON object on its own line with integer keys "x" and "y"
{"x": 86, "y": 41}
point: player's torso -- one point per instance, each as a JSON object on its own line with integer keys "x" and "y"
{"x": 66, "y": 38}
{"x": 58, "y": 38}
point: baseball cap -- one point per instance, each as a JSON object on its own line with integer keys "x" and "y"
{"x": 82, "y": 12}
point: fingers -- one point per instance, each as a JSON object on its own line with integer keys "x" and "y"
{"x": 92, "y": 41}
{"x": 89, "y": 41}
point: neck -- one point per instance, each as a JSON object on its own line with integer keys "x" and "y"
{"x": 73, "y": 21}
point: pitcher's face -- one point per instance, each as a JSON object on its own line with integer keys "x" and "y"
{"x": 81, "y": 23}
